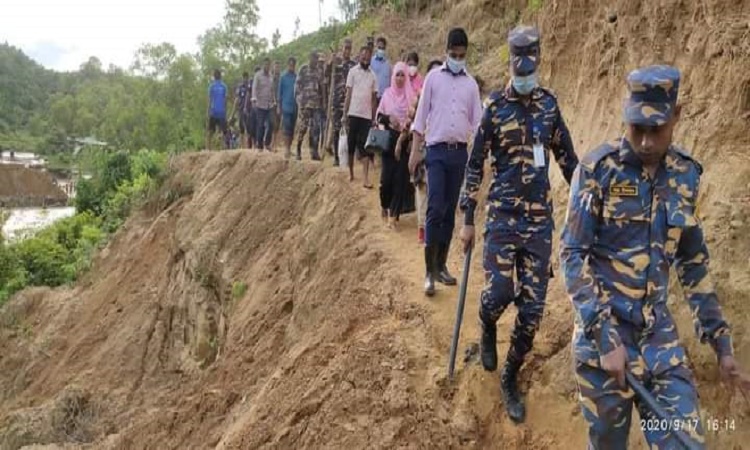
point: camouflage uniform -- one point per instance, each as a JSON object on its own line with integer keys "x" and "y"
{"x": 339, "y": 71}
{"x": 518, "y": 230}
{"x": 623, "y": 232}
{"x": 309, "y": 90}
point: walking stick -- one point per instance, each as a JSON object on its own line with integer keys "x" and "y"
{"x": 459, "y": 313}
{"x": 659, "y": 412}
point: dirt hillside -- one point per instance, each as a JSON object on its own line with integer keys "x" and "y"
{"x": 20, "y": 186}
{"x": 333, "y": 345}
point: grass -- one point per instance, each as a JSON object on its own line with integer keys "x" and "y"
{"x": 238, "y": 290}
{"x": 535, "y": 5}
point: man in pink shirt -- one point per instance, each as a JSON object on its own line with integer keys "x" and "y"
{"x": 448, "y": 113}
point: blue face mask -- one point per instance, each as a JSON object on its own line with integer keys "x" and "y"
{"x": 455, "y": 66}
{"x": 524, "y": 85}
{"x": 380, "y": 53}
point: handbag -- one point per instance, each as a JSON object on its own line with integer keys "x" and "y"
{"x": 378, "y": 140}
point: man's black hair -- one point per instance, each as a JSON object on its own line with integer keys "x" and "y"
{"x": 292, "y": 59}
{"x": 365, "y": 47}
{"x": 381, "y": 39}
{"x": 266, "y": 59}
{"x": 434, "y": 63}
{"x": 257, "y": 69}
{"x": 217, "y": 74}
{"x": 245, "y": 74}
{"x": 457, "y": 38}
{"x": 412, "y": 56}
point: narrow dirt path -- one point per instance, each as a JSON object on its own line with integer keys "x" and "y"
{"x": 551, "y": 417}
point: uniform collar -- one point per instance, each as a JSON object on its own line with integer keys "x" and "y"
{"x": 512, "y": 95}
{"x": 628, "y": 155}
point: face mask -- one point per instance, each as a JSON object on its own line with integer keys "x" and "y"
{"x": 412, "y": 70}
{"x": 455, "y": 66}
{"x": 380, "y": 53}
{"x": 524, "y": 85}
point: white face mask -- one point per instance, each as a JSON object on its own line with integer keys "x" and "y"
{"x": 413, "y": 70}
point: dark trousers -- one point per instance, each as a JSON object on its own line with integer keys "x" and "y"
{"x": 252, "y": 126}
{"x": 524, "y": 249}
{"x": 264, "y": 128}
{"x": 357, "y": 137}
{"x": 445, "y": 174}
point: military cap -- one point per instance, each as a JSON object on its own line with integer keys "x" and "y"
{"x": 652, "y": 95}
{"x": 523, "y": 43}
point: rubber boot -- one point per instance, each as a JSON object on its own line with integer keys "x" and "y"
{"x": 511, "y": 396}
{"x": 430, "y": 256}
{"x": 443, "y": 275}
{"x": 488, "y": 346}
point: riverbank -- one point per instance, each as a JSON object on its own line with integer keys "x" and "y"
{"x": 25, "y": 187}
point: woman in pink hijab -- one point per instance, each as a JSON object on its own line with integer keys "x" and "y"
{"x": 396, "y": 191}
{"x": 415, "y": 78}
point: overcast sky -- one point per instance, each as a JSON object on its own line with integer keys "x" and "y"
{"x": 61, "y": 34}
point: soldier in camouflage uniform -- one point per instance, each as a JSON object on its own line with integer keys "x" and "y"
{"x": 631, "y": 216}
{"x": 339, "y": 69}
{"x": 309, "y": 91}
{"x": 520, "y": 125}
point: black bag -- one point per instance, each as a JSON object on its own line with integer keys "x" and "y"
{"x": 378, "y": 140}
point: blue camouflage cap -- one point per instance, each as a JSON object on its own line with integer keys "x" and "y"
{"x": 523, "y": 46}
{"x": 652, "y": 95}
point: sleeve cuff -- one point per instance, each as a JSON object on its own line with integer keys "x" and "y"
{"x": 723, "y": 346}
{"x": 469, "y": 216}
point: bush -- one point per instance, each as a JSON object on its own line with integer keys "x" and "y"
{"x": 59, "y": 253}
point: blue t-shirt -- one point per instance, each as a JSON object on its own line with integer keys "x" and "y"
{"x": 382, "y": 69}
{"x": 286, "y": 93}
{"x": 217, "y": 94}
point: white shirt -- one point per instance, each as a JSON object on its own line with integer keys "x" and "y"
{"x": 363, "y": 84}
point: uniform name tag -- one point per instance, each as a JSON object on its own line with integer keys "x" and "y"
{"x": 624, "y": 191}
{"x": 538, "y": 155}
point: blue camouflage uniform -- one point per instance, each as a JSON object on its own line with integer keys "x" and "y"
{"x": 623, "y": 231}
{"x": 518, "y": 230}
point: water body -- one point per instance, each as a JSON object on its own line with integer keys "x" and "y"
{"x": 24, "y": 222}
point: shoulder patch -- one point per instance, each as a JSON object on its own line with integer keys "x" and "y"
{"x": 549, "y": 92}
{"x": 494, "y": 97}
{"x": 591, "y": 159}
{"x": 688, "y": 157}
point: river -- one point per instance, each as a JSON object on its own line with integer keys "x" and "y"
{"x": 24, "y": 222}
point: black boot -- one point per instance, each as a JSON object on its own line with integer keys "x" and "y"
{"x": 430, "y": 255}
{"x": 443, "y": 275}
{"x": 489, "y": 346}
{"x": 511, "y": 397}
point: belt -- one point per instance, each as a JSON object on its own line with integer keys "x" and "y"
{"x": 451, "y": 145}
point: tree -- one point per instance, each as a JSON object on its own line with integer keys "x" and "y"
{"x": 348, "y": 9}
{"x": 91, "y": 68}
{"x": 240, "y": 20}
{"x": 154, "y": 60}
{"x": 275, "y": 38}
{"x": 296, "y": 27}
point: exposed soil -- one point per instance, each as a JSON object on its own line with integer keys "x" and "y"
{"x": 333, "y": 345}
{"x": 21, "y": 187}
